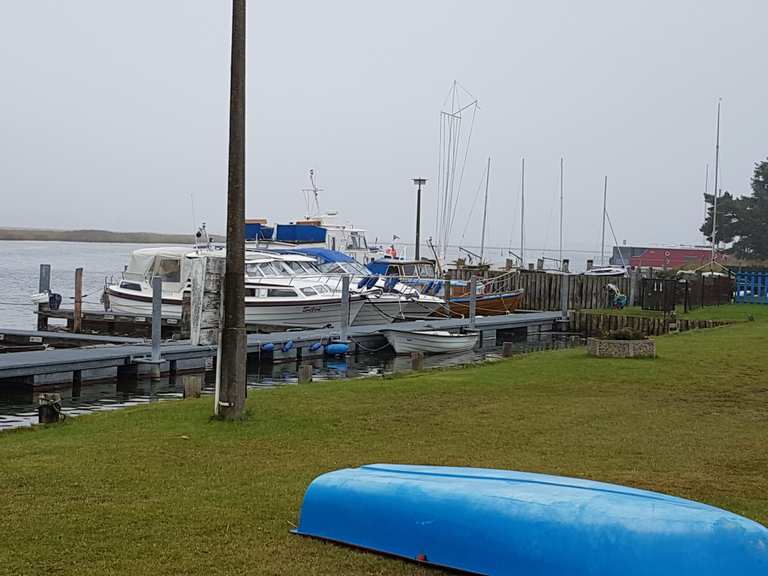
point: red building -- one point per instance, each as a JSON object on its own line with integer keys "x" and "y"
{"x": 663, "y": 257}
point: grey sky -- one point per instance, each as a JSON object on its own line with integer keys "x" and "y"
{"x": 115, "y": 113}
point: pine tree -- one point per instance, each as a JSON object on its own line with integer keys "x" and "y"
{"x": 752, "y": 227}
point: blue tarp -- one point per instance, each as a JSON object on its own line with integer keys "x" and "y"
{"x": 258, "y": 231}
{"x": 300, "y": 233}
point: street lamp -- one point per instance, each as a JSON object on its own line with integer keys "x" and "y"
{"x": 419, "y": 182}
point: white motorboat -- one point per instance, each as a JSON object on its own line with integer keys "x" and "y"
{"x": 430, "y": 341}
{"x": 274, "y": 301}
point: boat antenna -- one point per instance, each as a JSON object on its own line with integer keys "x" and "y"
{"x": 716, "y": 190}
{"x": 706, "y": 190}
{"x": 311, "y": 196}
{"x": 522, "y": 214}
{"x": 605, "y": 212}
{"x": 561, "y": 210}
{"x": 485, "y": 209}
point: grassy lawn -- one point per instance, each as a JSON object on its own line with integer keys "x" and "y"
{"x": 160, "y": 489}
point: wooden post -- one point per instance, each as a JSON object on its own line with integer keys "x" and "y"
{"x": 192, "y": 386}
{"x": 565, "y": 264}
{"x": 344, "y": 325}
{"x": 232, "y": 383}
{"x": 44, "y": 286}
{"x": 447, "y": 293}
{"x": 508, "y": 348}
{"x": 305, "y": 373}
{"x": 157, "y": 316}
{"x": 564, "y": 280}
{"x": 590, "y": 264}
{"x": 531, "y": 266}
{"x": 540, "y": 264}
{"x": 472, "y": 301}
{"x": 417, "y": 361}
{"x": 78, "y": 315}
{"x": 186, "y": 315}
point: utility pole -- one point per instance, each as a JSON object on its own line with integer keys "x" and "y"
{"x": 232, "y": 384}
{"x": 605, "y": 208}
{"x": 716, "y": 191}
{"x": 522, "y": 214}
{"x": 419, "y": 182}
{"x": 561, "y": 210}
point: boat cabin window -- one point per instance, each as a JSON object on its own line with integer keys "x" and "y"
{"x": 356, "y": 241}
{"x": 309, "y": 291}
{"x": 393, "y": 270}
{"x": 426, "y": 270}
{"x": 332, "y": 268}
{"x": 281, "y": 293}
{"x": 322, "y": 289}
{"x": 267, "y": 269}
{"x": 409, "y": 270}
{"x": 255, "y": 292}
{"x": 169, "y": 269}
{"x": 131, "y": 286}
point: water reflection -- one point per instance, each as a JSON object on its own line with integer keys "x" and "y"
{"x": 19, "y": 408}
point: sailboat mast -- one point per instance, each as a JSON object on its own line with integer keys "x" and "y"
{"x": 485, "y": 209}
{"x": 706, "y": 191}
{"x": 605, "y": 203}
{"x": 561, "y": 211}
{"x": 522, "y": 215}
{"x": 716, "y": 192}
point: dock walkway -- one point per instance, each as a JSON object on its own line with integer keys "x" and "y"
{"x": 121, "y": 356}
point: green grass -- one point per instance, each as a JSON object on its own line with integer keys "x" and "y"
{"x": 161, "y": 489}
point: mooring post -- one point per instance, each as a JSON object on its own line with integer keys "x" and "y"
{"x": 565, "y": 265}
{"x": 78, "y": 315}
{"x": 44, "y": 286}
{"x": 417, "y": 361}
{"x": 447, "y": 293}
{"x": 344, "y": 307}
{"x": 590, "y": 264}
{"x": 508, "y": 349}
{"x": 472, "y": 300}
{"x": 633, "y": 277}
{"x": 186, "y": 315}
{"x": 157, "y": 316}
{"x": 305, "y": 373}
{"x": 564, "y": 281}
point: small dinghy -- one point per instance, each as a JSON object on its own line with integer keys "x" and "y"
{"x": 431, "y": 341}
{"x": 486, "y": 521}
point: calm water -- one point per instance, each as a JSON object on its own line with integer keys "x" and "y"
{"x": 20, "y": 271}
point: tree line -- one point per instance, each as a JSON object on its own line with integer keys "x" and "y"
{"x": 742, "y": 221}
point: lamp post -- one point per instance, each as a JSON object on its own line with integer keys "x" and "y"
{"x": 419, "y": 182}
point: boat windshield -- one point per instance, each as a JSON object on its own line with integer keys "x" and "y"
{"x": 354, "y": 268}
{"x": 425, "y": 270}
{"x": 356, "y": 241}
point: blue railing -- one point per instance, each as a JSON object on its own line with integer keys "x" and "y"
{"x": 751, "y": 288}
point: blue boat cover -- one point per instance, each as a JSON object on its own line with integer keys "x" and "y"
{"x": 300, "y": 233}
{"x": 323, "y": 255}
{"x": 258, "y": 231}
{"x": 489, "y": 521}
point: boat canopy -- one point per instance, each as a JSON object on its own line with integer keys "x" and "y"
{"x": 322, "y": 255}
{"x": 166, "y": 262}
{"x": 489, "y": 521}
{"x": 396, "y": 267}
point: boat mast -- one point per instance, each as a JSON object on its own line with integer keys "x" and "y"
{"x": 716, "y": 192}
{"x": 485, "y": 209}
{"x": 706, "y": 190}
{"x": 522, "y": 215}
{"x": 561, "y": 211}
{"x": 605, "y": 200}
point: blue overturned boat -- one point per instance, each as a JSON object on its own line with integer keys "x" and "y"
{"x": 487, "y": 521}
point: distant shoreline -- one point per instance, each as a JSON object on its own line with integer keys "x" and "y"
{"x": 35, "y": 234}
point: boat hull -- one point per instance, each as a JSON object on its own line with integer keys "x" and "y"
{"x": 405, "y": 342}
{"x": 487, "y": 521}
{"x": 299, "y": 314}
{"x": 488, "y": 304}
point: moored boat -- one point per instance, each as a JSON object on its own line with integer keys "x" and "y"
{"x": 486, "y": 521}
{"x": 430, "y": 341}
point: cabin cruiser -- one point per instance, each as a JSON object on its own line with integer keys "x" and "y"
{"x": 422, "y": 274}
{"x": 297, "y": 302}
{"x": 388, "y": 299}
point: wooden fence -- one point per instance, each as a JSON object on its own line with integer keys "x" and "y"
{"x": 543, "y": 290}
{"x": 592, "y": 324}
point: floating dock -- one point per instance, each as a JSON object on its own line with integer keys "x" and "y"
{"x": 109, "y": 357}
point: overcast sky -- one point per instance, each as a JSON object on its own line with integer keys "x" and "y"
{"x": 114, "y": 113}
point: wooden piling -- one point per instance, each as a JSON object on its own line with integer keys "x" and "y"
{"x": 417, "y": 361}
{"x": 507, "y": 349}
{"x": 77, "y": 319}
{"x": 305, "y": 373}
{"x": 43, "y": 286}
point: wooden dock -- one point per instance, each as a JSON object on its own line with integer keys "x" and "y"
{"x": 114, "y": 357}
